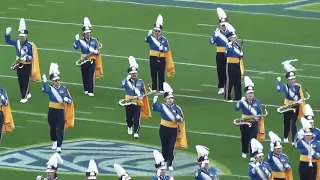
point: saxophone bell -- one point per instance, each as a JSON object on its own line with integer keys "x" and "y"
{"x": 84, "y": 60}
{"x": 17, "y": 64}
{"x": 291, "y": 107}
{"x": 250, "y": 119}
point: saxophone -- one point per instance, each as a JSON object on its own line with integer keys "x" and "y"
{"x": 249, "y": 120}
{"x": 17, "y": 64}
{"x": 84, "y": 59}
{"x": 291, "y": 107}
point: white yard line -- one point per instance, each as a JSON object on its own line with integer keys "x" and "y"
{"x": 317, "y": 65}
{"x": 13, "y": 8}
{"x": 99, "y": 107}
{"x": 209, "y": 85}
{"x": 187, "y": 64}
{"x": 19, "y": 126}
{"x": 145, "y": 30}
{"x": 2, "y": 12}
{"x": 208, "y": 25}
{"x": 256, "y": 77}
{"x": 191, "y": 90}
{"x": 40, "y": 122}
{"x": 83, "y": 112}
{"x": 7, "y": 148}
{"x": 236, "y": 4}
{"x": 36, "y": 5}
{"x": 207, "y": 9}
{"x": 56, "y": 2}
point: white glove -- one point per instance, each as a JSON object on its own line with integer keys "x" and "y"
{"x": 128, "y": 77}
{"x": 39, "y": 178}
{"x": 241, "y": 53}
{"x": 140, "y": 97}
{"x": 44, "y": 78}
{"x": 24, "y": 58}
{"x": 77, "y": 37}
{"x": 8, "y": 30}
{"x": 178, "y": 116}
{"x": 279, "y": 78}
{"x": 66, "y": 99}
{"x": 161, "y": 48}
{"x": 299, "y": 101}
{"x": 155, "y": 99}
{"x": 171, "y": 178}
{"x": 91, "y": 49}
{"x": 243, "y": 99}
{"x": 2, "y": 97}
{"x": 150, "y": 32}
{"x": 271, "y": 146}
{"x": 287, "y": 166}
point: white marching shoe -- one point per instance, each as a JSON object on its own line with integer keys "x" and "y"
{"x": 285, "y": 140}
{"x": 136, "y": 135}
{"x": 90, "y": 94}
{"x": 59, "y": 150}
{"x": 221, "y": 91}
{"x": 86, "y": 92}
{"x": 130, "y": 131}
{"x": 24, "y": 100}
{"x": 54, "y": 145}
{"x": 29, "y": 96}
{"x": 244, "y": 155}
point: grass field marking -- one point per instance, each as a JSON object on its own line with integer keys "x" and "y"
{"x": 7, "y": 148}
{"x": 207, "y": 25}
{"x": 317, "y": 65}
{"x": 83, "y": 112}
{"x": 100, "y": 107}
{"x": 2, "y": 12}
{"x": 34, "y": 121}
{"x": 207, "y": 9}
{"x": 13, "y": 8}
{"x": 240, "y": 4}
{"x": 300, "y": 7}
{"x": 256, "y": 77}
{"x": 191, "y": 90}
{"x": 209, "y": 85}
{"x": 19, "y": 126}
{"x": 188, "y": 64}
{"x": 56, "y": 2}
{"x": 170, "y": 32}
{"x": 36, "y": 5}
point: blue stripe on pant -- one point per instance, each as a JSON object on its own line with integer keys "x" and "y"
{"x": 1, "y": 122}
{"x": 56, "y": 122}
{"x": 87, "y": 71}
{"x": 133, "y": 117}
{"x": 24, "y": 79}
{"x": 168, "y": 137}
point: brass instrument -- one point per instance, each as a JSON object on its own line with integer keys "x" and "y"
{"x": 86, "y": 58}
{"x": 249, "y": 120}
{"x": 290, "y": 107}
{"x": 17, "y": 64}
{"x": 130, "y": 101}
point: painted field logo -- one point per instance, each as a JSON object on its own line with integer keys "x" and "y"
{"x": 136, "y": 159}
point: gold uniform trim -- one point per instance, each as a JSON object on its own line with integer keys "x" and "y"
{"x": 91, "y": 57}
{"x": 156, "y": 53}
{"x": 138, "y": 101}
{"x": 168, "y": 124}
{"x": 56, "y": 105}
{"x": 281, "y": 174}
{"x": 233, "y": 60}
{"x": 304, "y": 158}
{"x": 221, "y": 49}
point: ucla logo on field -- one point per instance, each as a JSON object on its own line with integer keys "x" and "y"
{"x": 135, "y": 159}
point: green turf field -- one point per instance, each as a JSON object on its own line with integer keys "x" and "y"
{"x": 311, "y": 7}
{"x": 122, "y": 28}
{"x": 248, "y": 1}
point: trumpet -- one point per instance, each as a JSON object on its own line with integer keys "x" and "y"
{"x": 17, "y": 64}
{"x": 131, "y": 101}
{"x": 290, "y": 107}
{"x": 249, "y": 120}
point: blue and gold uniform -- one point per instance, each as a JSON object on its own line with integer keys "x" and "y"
{"x": 138, "y": 106}
{"x": 27, "y": 61}
{"x": 204, "y": 172}
{"x": 293, "y": 93}
{"x": 89, "y": 47}
{"x": 160, "y": 56}
{"x": 258, "y": 169}
{"x": 6, "y": 120}
{"x": 122, "y": 174}
{"x": 61, "y": 110}
{"x": 234, "y": 69}
{"x": 161, "y": 167}
{"x": 172, "y": 126}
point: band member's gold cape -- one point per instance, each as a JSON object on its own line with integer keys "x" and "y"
{"x": 241, "y": 67}
{"x": 35, "y": 71}
{"x": 145, "y": 109}
{"x": 318, "y": 168}
{"x": 8, "y": 124}
{"x": 302, "y": 106}
{"x": 69, "y": 114}
{"x": 169, "y": 63}
{"x": 261, "y": 130}
{"x": 99, "y": 67}
{"x": 182, "y": 141}
{"x": 289, "y": 175}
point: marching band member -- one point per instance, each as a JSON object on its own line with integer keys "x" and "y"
{"x": 136, "y": 92}
{"x": 52, "y": 167}
{"x": 172, "y": 130}
{"x": 123, "y": 175}
{"x": 61, "y": 108}
{"x": 279, "y": 162}
{"x": 161, "y": 167}
{"x": 27, "y": 61}
{"x": 234, "y": 70}
{"x": 160, "y": 56}
{"x": 309, "y": 151}
{"x": 6, "y": 120}
{"x": 221, "y": 59}
{"x": 90, "y": 50}
{"x": 293, "y": 94}
{"x": 92, "y": 171}
{"x": 250, "y": 107}
{"x": 205, "y": 172}
{"x": 258, "y": 169}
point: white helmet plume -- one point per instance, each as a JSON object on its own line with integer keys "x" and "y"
{"x": 287, "y": 65}
{"x": 306, "y": 126}
{"x": 22, "y": 28}
{"x": 256, "y": 147}
{"x": 202, "y": 151}
{"x": 53, "y": 162}
{"x": 309, "y": 111}
{"x": 86, "y": 22}
{"x": 248, "y": 82}
{"x": 222, "y": 15}
{"x": 54, "y": 69}
{"x": 92, "y": 167}
{"x": 133, "y": 62}
{"x": 167, "y": 88}
{"x": 159, "y": 21}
